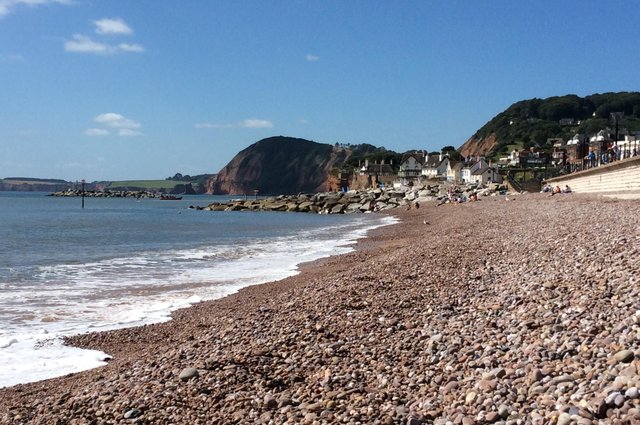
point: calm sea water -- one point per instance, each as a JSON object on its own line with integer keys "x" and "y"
{"x": 125, "y": 262}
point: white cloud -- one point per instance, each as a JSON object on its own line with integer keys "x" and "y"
{"x": 111, "y": 119}
{"x": 7, "y": 6}
{"x": 96, "y": 132}
{"x": 248, "y": 123}
{"x": 81, "y": 43}
{"x": 125, "y": 47}
{"x": 84, "y": 44}
{"x": 312, "y": 58}
{"x": 112, "y": 26}
{"x": 256, "y": 123}
{"x": 121, "y": 125}
{"x": 127, "y": 132}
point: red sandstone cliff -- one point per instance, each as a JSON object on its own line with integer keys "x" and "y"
{"x": 280, "y": 165}
{"x": 478, "y": 146}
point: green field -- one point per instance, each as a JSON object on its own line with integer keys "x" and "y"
{"x": 28, "y": 181}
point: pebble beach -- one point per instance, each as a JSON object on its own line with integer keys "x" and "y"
{"x": 510, "y": 310}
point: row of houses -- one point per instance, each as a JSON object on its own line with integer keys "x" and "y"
{"x": 604, "y": 146}
{"x": 525, "y": 158}
{"x": 573, "y": 154}
{"x": 418, "y": 166}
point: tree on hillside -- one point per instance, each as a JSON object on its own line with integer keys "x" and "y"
{"x": 452, "y": 152}
{"x": 531, "y": 122}
{"x": 557, "y": 108}
{"x": 606, "y": 103}
{"x": 592, "y": 126}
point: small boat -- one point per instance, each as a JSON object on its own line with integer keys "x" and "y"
{"x": 170, "y": 198}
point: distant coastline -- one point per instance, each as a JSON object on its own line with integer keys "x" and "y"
{"x": 171, "y": 185}
{"x": 30, "y": 184}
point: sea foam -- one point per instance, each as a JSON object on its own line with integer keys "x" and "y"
{"x": 124, "y": 291}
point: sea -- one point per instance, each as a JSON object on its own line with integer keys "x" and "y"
{"x": 123, "y": 262}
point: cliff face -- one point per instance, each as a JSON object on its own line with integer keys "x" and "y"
{"x": 34, "y": 185}
{"x": 478, "y": 145}
{"x": 279, "y": 165}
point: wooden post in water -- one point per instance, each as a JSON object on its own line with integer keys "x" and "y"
{"x": 82, "y": 181}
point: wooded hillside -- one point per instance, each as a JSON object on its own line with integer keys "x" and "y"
{"x": 532, "y": 122}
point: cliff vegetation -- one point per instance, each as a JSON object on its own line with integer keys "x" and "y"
{"x": 533, "y": 122}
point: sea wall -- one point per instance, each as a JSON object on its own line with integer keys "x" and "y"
{"x": 619, "y": 176}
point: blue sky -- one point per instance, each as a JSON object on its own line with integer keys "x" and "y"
{"x": 121, "y": 89}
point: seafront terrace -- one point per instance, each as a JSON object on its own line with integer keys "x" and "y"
{"x": 618, "y": 179}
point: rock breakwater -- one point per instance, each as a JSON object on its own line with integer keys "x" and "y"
{"x": 356, "y": 201}
{"x": 107, "y": 194}
{"x": 515, "y": 313}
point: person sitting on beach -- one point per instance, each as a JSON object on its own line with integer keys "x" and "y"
{"x": 556, "y": 189}
{"x": 566, "y": 189}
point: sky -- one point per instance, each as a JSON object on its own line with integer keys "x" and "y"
{"x": 121, "y": 89}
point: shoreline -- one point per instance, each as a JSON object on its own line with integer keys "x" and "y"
{"x": 378, "y": 334}
{"x": 28, "y": 355}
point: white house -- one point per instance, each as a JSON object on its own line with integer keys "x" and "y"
{"x": 479, "y": 171}
{"x": 602, "y": 136}
{"x": 470, "y": 167}
{"x": 485, "y": 174}
{"x": 435, "y": 166}
{"x": 411, "y": 165}
{"x": 380, "y": 169}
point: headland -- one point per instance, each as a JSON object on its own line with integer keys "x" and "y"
{"x": 512, "y": 310}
